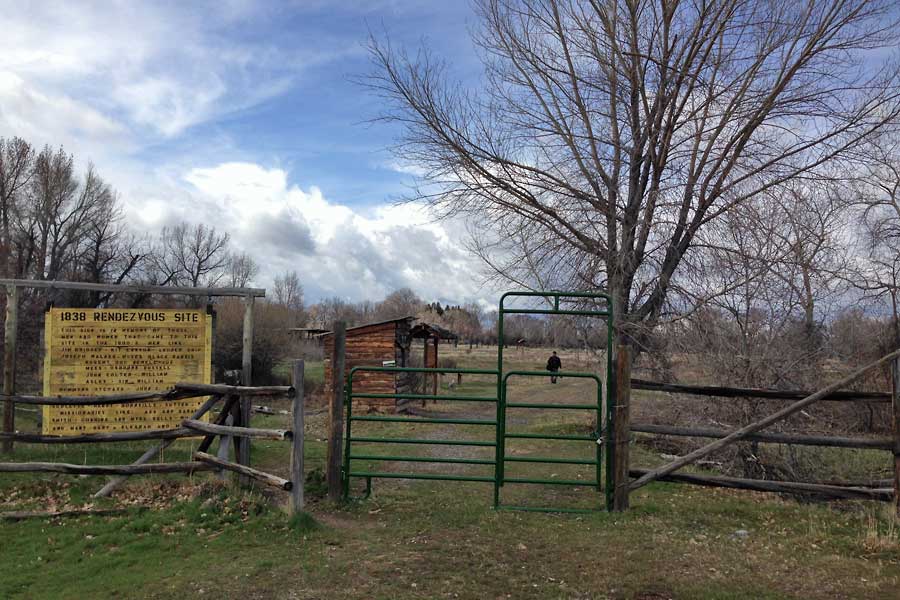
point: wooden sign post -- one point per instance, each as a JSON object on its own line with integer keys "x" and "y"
{"x": 9, "y": 363}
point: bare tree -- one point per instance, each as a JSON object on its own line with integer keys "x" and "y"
{"x": 241, "y": 269}
{"x": 288, "y": 292}
{"x": 398, "y": 304}
{"x": 190, "y": 255}
{"x": 608, "y": 136}
{"x": 108, "y": 252}
{"x": 16, "y": 171}
{"x": 328, "y": 310}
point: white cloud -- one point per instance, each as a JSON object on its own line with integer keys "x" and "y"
{"x": 122, "y": 84}
{"x": 336, "y": 249}
{"x": 31, "y": 113}
{"x": 132, "y": 65}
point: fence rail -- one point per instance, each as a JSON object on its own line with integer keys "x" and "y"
{"x": 765, "y": 394}
{"x": 772, "y": 438}
{"x": 753, "y": 433}
{"x": 233, "y": 399}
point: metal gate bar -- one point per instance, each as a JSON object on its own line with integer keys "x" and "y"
{"x": 503, "y": 436}
{"x": 349, "y": 455}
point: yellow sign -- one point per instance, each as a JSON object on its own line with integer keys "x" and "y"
{"x": 94, "y": 352}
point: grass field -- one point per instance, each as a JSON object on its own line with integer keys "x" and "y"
{"x": 196, "y": 537}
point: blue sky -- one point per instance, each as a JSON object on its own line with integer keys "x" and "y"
{"x": 246, "y": 115}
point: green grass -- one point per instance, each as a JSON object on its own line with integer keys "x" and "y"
{"x": 313, "y": 370}
{"x": 424, "y": 539}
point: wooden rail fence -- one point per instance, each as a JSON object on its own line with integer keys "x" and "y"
{"x": 873, "y": 490}
{"x": 231, "y": 425}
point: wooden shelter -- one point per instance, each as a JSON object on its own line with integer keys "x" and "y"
{"x": 374, "y": 345}
{"x": 431, "y": 336}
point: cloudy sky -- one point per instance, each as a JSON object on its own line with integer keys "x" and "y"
{"x": 245, "y": 115}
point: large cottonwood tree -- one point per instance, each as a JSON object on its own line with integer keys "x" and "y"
{"x": 606, "y": 136}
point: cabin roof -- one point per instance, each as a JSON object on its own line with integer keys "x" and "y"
{"x": 426, "y": 330}
{"x": 408, "y": 320}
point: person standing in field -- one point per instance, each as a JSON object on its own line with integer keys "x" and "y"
{"x": 553, "y": 365}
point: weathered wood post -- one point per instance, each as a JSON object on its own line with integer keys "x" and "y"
{"x": 297, "y": 443}
{"x": 224, "y": 452}
{"x": 434, "y": 382}
{"x": 622, "y": 431}
{"x": 246, "y": 380}
{"x": 9, "y": 364}
{"x": 895, "y": 413}
{"x": 336, "y": 412}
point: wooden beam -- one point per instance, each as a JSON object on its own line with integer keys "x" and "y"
{"x": 147, "y": 456}
{"x": 772, "y": 438}
{"x": 224, "y": 450}
{"x": 133, "y": 469}
{"x": 94, "y": 438}
{"x": 297, "y": 448}
{"x": 267, "y": 478}
{"x": 179, "y": 391}
{"x": 622, "y": 428}
{"x": 9, "y": 365}
{"x": 895, "y": 426}
{"x": 130, "y": 398}
{"x": 134, "y": 289}
{"x": 224, "y": 418}
{"x": 243, "y": 453}
{"x": 779, "y": 487}
{"x": 242, "y": 390}
{"x": 758, "y": 425}
{"x": 244, "y": 432}
{"x": 336, "y": 413}
{"x": 730, "y": 392}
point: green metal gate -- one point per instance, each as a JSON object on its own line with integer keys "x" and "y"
{"x": 596, "y": 437}
{"x": 352, "y": 444}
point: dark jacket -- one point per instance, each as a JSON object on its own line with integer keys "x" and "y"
{"x": 554, "y": 364}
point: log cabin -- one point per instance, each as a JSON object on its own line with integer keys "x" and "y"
{"x": 375, "y": 345}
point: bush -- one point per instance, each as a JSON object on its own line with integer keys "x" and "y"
{"x": 271, "y": 339}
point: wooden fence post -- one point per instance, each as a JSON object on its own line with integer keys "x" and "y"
{"x": 895, "y": 412}
{"x": 243, "y": 454}
{"x": 336, "y": 412}
{"x": 622, "y": 430}
{"x": 9, "y": 364}
{"x": 297, "y": 443}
